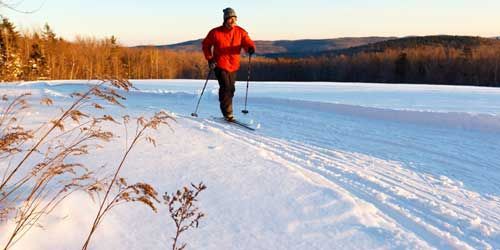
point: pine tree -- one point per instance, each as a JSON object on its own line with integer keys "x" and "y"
{"x": 10, "y": 60}
{"x": 47, "y": 34}
{"x": 49, "y": 46}
{"x": 113, "y": 66}
{"x": 37, "y": 68}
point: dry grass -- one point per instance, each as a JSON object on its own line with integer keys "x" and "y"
{"x": 42, "y": 167}
{"x": 41, "y": 164}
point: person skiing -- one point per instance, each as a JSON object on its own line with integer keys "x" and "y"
{"x": 226, "y": 41}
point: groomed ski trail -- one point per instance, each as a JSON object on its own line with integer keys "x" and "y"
{"x": 437, "y": 210}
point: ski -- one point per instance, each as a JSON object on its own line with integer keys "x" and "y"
{"x": 237, "y": 122}
{"x": 242, "y": 124}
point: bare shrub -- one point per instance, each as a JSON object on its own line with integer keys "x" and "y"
{"x": 183, "y": 211}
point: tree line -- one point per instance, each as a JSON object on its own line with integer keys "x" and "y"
{"x": 421, "y": 64}
{"x": 40, "y": 55}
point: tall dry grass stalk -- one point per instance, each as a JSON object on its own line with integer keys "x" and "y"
{"x": 140, "y": 192}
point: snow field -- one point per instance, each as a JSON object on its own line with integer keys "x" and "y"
{"x": 388, "y": 173}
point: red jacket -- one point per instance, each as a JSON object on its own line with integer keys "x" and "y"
{"x": 227, "y": 44}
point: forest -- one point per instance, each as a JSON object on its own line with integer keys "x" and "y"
{"x": 42, "y": 55}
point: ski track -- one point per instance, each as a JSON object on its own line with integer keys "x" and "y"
{"x": 437, "y": 210}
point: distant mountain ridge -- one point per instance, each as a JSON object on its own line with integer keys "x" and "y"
{"x": 347, "y": 45}
{"x": 457, "y": 42}
{"x": 284, "y": 47}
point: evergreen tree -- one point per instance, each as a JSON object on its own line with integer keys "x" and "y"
{"x": 48, "y": 34}
{"x": 113, "y": 66}
{"x": 49, "y": 50}
{"x": 10, "y": 61}
{"x": 37, "y": 68}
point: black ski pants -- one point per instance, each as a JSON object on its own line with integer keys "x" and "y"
{"x": 226, "y": 90}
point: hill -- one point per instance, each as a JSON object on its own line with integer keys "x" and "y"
{"x": 446, "y": 41}
{"x": 346, "y": 46}
{"x": 288, "y": 47}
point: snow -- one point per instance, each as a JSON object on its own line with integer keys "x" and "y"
{"x": 332, "y": 166}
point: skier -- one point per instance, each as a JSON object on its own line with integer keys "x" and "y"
{"x": 227, "y": 41}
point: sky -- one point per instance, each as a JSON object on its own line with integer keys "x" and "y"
{"x": 158, "y": 22}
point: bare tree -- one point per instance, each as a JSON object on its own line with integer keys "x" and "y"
{"x": 14, "y": 6}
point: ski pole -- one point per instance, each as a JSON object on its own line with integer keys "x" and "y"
{"x": 202, "y": 91}
{"x": 245, "y": 111}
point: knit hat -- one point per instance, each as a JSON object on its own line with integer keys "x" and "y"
{"x": 228, "y": 13}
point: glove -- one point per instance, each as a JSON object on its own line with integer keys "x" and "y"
{"x": 251, "y": 50}
{"x": 212, "y": 64}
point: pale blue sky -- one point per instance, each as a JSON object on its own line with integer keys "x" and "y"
{"x": 169, "y": 21}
